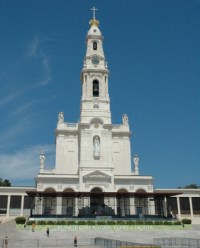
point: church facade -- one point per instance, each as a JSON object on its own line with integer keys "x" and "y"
{"x": 94, "y": 172}
{"x": 93, "y": 155}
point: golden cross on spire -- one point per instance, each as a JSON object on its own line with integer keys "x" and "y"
{"x": 93, "y": 10}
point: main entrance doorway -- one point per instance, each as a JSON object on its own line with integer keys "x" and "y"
{"x": 97, "y": 206}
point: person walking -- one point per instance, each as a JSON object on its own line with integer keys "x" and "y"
{"x": 33, "y": 227}
{"x": 6, "y": 242}
{"x": 75, "y": 241}
{"x": 47, "y": 232}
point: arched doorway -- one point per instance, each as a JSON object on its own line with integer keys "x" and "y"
{"x": 49, "y": 202}
{"x": 68, "y": 204}
{"x": 97, "y": 205}
{"x": 141, "y": 203}
{"x": 123, "y": 203}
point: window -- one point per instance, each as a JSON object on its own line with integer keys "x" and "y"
{"x": 15, "y": 201}
{"x": 184, "y": 205}
{"x": 94, "y": 45}
{"x": 95, "y": 88}
{"x": 196, "y": 205}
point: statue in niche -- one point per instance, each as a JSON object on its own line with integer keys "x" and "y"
{"x": 125, "y": 119}
{"x": 96, "y": 146}
{"x": 61, "y": 117}
{"x": 42, "y": 159}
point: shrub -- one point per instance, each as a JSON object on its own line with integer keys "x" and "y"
{"x": 158, "y": 222}
{"x": 167, "y": 223}
{"x": 30, "y": 222}
{"x": 121, "y": 222}
{"x": 129, "y": 222}
{"x": 186, "y": 221}
{"x": 20, "y": 220}
{"x": 72, "y": 222}
{"x": 176, "y": 223}
{"x": 101, "y": 223}
{"x": 61, "y": 222}
{"x": 90, "y": 222}
{"x": 82, "y": 222}
{"x": 139, "y": 222}
{"x": 41, "y": 222}
{"x": 50, "y": 222}
{"x": 110, "y": 222}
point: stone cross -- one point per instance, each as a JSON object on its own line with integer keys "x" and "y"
{"x": 93, "y": 10}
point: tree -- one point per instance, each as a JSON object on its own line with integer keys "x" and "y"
{"x": 190, "y": 186}
{"x": 5, "y": 183}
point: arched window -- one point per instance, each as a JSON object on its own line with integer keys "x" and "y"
{"x": 95, "y": 88}
{"x": 94, "y": 45}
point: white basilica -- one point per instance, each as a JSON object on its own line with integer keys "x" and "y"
{"x": 93, "y": 155}
{"x": 93, "y": 174}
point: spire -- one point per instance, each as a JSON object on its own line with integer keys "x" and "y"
{"x": 94, "y": 21}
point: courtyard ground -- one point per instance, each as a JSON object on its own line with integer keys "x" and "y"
{"x": 138, "y": 235}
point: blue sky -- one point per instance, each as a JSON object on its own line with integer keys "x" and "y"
{"x": 153, "y": 53}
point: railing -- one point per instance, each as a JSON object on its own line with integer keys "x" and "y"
{"x": 36, "y": 243}
{"x": 68, "y": 124}
{"x": 48, "y": 170}
{"x": 111, "y": 243}
{"x": 117, "y": 126}
{"x": 182, "y": 242}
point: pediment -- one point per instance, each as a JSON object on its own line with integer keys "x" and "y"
{"x": 96, "y": 174}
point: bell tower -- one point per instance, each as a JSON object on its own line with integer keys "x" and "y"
{"x": 93, "y": 155}
{"x": 95, "y": 101}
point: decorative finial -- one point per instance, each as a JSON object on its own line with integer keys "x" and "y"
{"x": 93, "y": 10}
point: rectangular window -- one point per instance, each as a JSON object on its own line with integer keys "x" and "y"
{"x": 172, "y": 205}
{"x": 3, "y": 204}
{"x": 196, "y": 205}
{"x": 184, "y": 205}
{"x": 15, "y": 201}
{"x": 15, "y": 204}
{"x": 27, "y": 202}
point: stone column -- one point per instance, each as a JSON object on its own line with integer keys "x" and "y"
{"x": 76, "y": 206}
{"x": 132, "y": 205}
{"x": 165, "y": 206}
{"x": 115, "y": 205}
{"x": 8, "y": 206}
{"x": 152, "y": 206}
{"x": 178, "y": 207}
{"x": 58, "y": 205}
{"x": 191, "y": 207}
{"x": 22, "y": 206}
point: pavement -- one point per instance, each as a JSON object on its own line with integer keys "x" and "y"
{"x": 144, "y": 235}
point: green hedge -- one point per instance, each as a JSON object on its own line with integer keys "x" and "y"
{"x": 20, "y": 220}
{"x": 104, "y": 222}
{"x": 186, "y": 221}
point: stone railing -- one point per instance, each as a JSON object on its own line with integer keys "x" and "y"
{"x": 117, "y": 126}
{"x": 68, "y": 124}
{"x": 48, "y": 170}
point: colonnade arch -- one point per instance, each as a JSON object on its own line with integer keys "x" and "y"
{"x": 141, "y": 203}
{"x": 97, "y": 201}
{"x": 123, "y": 203}
{"x": 68, "y": 203}
{"x": 48, "y": 204}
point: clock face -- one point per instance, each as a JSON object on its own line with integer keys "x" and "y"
{"x": 95, "y": 60}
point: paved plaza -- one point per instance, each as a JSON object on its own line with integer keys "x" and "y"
{"x": 85, "y": 236}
